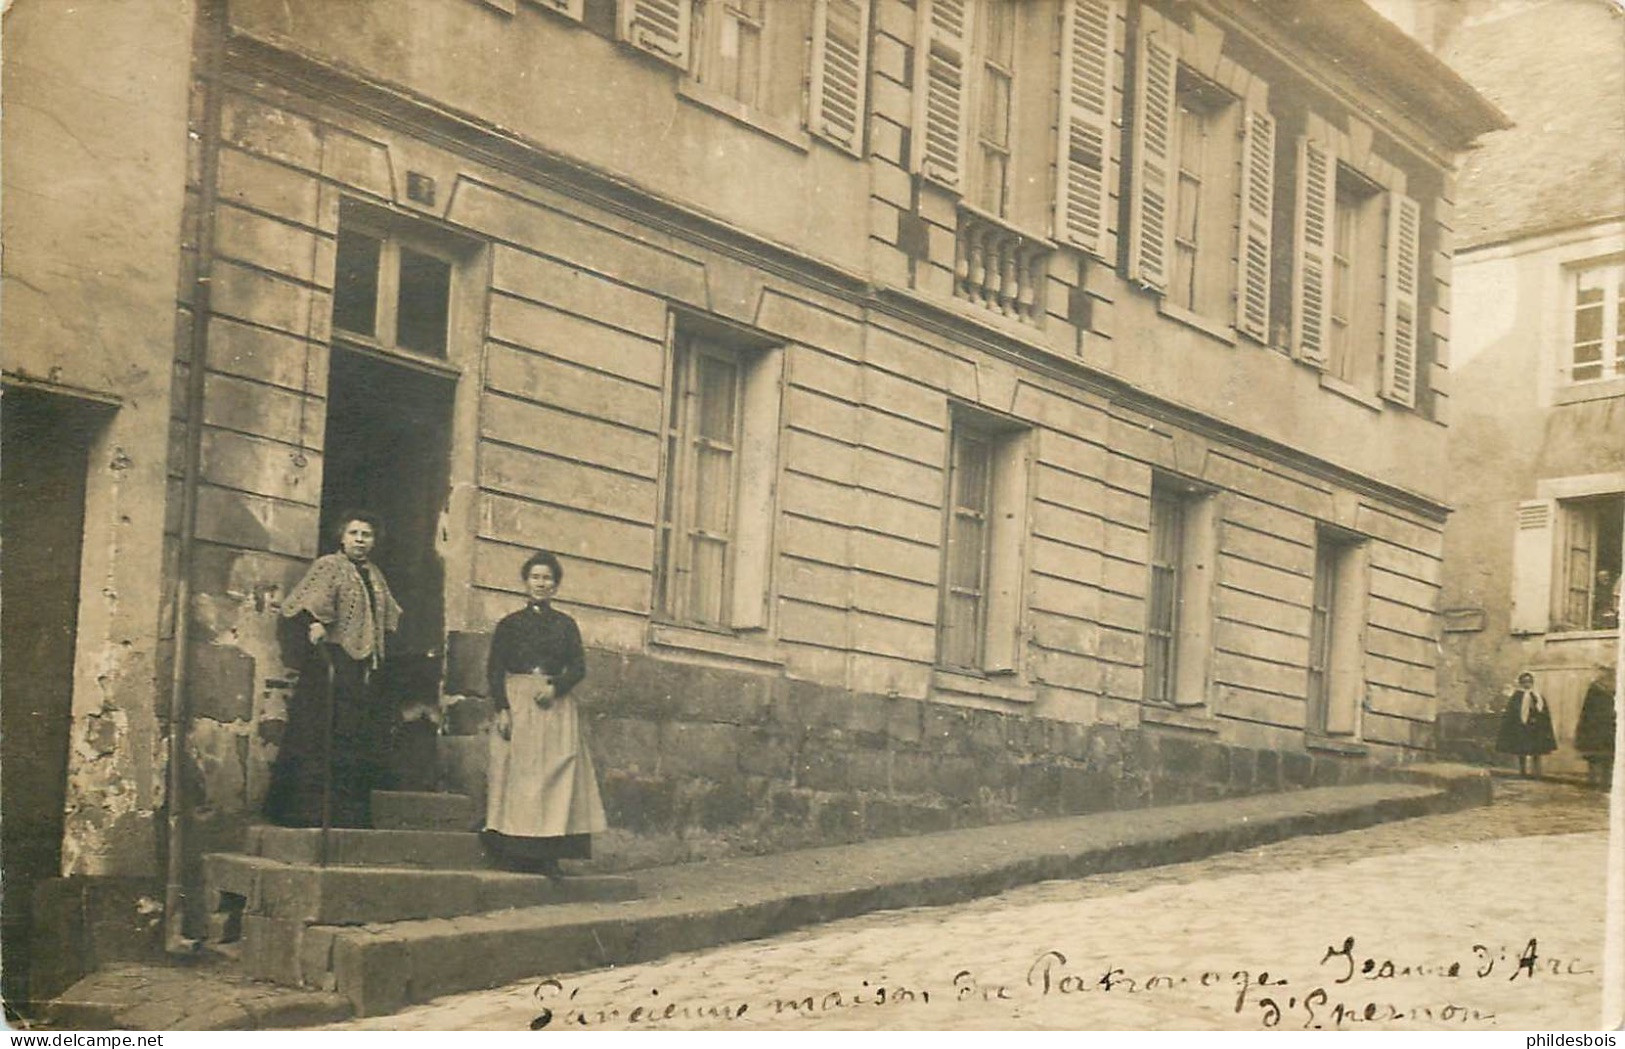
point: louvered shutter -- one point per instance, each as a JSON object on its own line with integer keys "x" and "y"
{"x": 660, "y": 27}
{"x": 1399, "y": 376}
{"x": 1311, "y": 279}
{"x": 1151, "y": 241}
{"x": 939, "y": 130}
{"x": 1257, "y": 214}
{"x": 1086, "y": 123}
{"x": 1532, "y": 554}
{"x": 839, "y": 71}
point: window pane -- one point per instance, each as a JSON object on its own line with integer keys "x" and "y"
{"x": 706, "y": 584}
{"x": 355, "y": 283}
{"x": 1588, "y": 322}
{"x": 960, "y": 630}
{"x": 425, "y": 303}
{"x": 996, "y": 108}
{"x": 713, "y": 475}
{"x": 718, "y": 387}
{"x": 966, "y": 553}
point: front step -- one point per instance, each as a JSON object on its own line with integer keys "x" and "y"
{"x": 337, "y": 895}
{"x": 423, "y": 810}
{"x": 347, "y": 847}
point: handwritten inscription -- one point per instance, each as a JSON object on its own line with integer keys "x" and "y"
{"x": 1347, "y": 988}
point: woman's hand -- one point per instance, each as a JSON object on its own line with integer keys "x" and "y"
{"x": 504, "y": 723}
{"x": 318, "y": 632}
{"x": 546, "y": 695}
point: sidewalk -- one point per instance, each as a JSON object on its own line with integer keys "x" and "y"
{"x": 697, "y": 905}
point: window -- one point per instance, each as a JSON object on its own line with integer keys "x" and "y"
{"x": 1336, "y": 681}
{"x": 1566, "y": 562}
{"x": 1354, "y": 317}
{"x": 391, "y": 292}
{"x": 1178, "y": 600}
{"x": 732, "y": 60}
{"x": 996, "y": 90}
{"x": 1597, "y": 341}
{"x": 1203, "y": 169}
{"x": 1590, "y": 563}
{"x": 985, "y": 528}
{"x": 1204, "y": 196}
{"x": 720, "y": 459}
{"x": 1357, "y": 271}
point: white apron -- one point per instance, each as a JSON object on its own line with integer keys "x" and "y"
{"x": 541, "y": 779}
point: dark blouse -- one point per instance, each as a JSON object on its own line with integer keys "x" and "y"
{"x": 537, "y": 639}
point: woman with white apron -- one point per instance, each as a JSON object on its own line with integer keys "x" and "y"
{"x": 543, "y": 803}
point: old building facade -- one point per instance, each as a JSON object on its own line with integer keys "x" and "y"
{"x": 1537, "y": 445}
{"x": 947, "y": 412}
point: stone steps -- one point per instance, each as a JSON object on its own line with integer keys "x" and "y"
{"x": 423, "y": 810}
{"x": 348, "y": 847}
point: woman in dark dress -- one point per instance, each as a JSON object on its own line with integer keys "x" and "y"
{"x": 1526, "y": 726}
{"x": 1594, "y": 734}
{"x": 543, "y": 803}
{"x": 344, "y": 610}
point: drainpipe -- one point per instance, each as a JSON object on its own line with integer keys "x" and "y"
{"x": 208, "y": 49}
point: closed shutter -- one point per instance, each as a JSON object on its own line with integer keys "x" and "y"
{"x": 839, "y": 70}
{"x": 1084, "y": 160}
{"x": 1151, "y": 240}
{"x": 1317, "y": 208}
{"x": 1257, "y": 214}
{"x": 939, "y": 127}
{"x": 660, "y": 27}
{"x": 1532, "y": 553}
{"x": 1399, "y": 300}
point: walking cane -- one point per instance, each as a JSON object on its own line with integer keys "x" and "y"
{"x": 327, "y": 757}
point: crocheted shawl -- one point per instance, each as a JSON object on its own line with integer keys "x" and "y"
{"x": 333, "y": 592}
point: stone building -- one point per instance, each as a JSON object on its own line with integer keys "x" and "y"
{"x": 947, "y": 412}
{"x": 1537, "y": 445}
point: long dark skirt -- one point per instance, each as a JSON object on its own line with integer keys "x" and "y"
{"x": 1594, "y": 735}
{"x": 360, "y": 750}
{"x": 516, "y": 853}
{"x": 1532, "y": 737}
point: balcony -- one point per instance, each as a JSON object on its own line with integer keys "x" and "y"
{"x": 1000, "y": 268}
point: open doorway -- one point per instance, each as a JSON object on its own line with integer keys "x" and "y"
{"x": 47, "y": 439}
{"x": 388, "y": 450}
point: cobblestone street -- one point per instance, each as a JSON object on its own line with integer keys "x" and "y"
{"x": 1486, "y": 918}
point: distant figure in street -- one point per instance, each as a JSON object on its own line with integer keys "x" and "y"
{"x": 1526, "y": 727}
{"x": 1594, "y": 734}
{"x": 543, "y": 803}
{"x": 344, "y": 610}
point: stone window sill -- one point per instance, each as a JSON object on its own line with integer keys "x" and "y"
{"x": 1005, "y": 687}
{"x": 753, "y": 649}
{"x": 1582, "y": 635}
{"x": 1190, "y": 318}
{"x": 1589, "y": 391}
{"x": 1350, "y": 391}
{"x": 735, "y": 110}
{"x": 1336, "y": 745}
{"x": 1188, "y": 719}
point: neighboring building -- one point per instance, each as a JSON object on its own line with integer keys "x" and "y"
{"x": 948, "y": 412}
{"x": 1537, "y": 440}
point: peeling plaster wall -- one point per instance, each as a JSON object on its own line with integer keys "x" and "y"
{"x": 94, "y": 168}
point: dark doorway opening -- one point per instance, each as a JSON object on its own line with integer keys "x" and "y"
{"x": 388, "y": 450}
{"x": 46, "y": 440}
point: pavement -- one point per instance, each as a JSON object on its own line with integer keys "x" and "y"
{"x": 1489, "y": 918}
{"x": 694, "y": 906}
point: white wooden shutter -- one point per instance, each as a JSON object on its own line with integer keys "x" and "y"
{"x": 1151, "y": 240}
{"x": 1399, "y": 376}
{"x": 939, "y": 127}
{"x": 1257, "y": 214}
{"x": 661, "y": 27}
{"x": 1084, "y": 160}
{"x": 839, "y": 72}
{"x": 1532, "y": 553}
{"x": 1312, "y": 270}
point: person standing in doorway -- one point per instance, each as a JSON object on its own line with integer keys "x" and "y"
{"x": 1526, "y": 726}
{"x": 543, "y": 804}
{"x": 1594, "y": 734}
{"x": 344, "y": 610}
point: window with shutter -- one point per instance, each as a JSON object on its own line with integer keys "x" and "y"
{"x": 978, "y": 626}
{"x": 1337, "y": 616}
{"x": 939, "y": 128}
{"x": 568, "y": 8}
{"x": 1399, "y": 329}
{"x": 1532, "y": 567}
{"x": 1317, "y": 205}
{"x": 660, "y": 27}
{"x": 839, "y": 71}
{"x": 1150, "y": 241}
{"x": 1083, "y": 164}
{"x": 1257, "y": 214}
